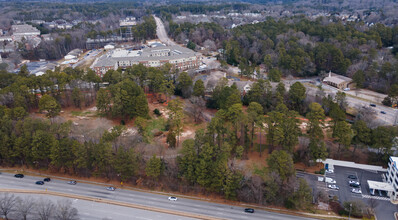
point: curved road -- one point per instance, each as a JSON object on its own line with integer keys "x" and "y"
{"x": 8, "y": 181}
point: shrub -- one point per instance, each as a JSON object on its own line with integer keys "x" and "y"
{"x": 157, "y": 112}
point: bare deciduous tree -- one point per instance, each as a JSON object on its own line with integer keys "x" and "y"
{"x": 7, "y": 204}
{"x": 65, "y": 211}
{"x": 45, "y": 209}
{"x": 372, "y": 202}
{"x": 24, "y": 207}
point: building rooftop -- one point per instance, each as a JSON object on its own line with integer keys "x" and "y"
{"x": 161, "y": 53}
{"x": 380, "y": 186}
{"x": 337, "y": 79}
{"x": 23, "y": 28}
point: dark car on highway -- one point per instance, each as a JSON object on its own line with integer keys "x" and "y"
{"x": 383, "y": 112}
{"x": 249, "y": 210}
{"x": 47, "y": 179}
{"x": 19, "y": 175}
{"x": 72, "y": 182}
{"x": 373, "y": 105}
{"x": 39, "y": 183}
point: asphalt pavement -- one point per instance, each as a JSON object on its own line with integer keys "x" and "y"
{"x": 88, "y": 210}
{"x": 384, "y": 208}
{"x": 161, "y": 32}
{"x": 207, "y": 208}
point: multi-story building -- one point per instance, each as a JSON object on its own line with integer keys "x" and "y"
{"x": 392, "y": 176}
{"x": 180, "y": 58}
{"x": 24, "y": 31}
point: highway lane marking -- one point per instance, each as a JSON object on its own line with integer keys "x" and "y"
{"x": 112, "y": 202}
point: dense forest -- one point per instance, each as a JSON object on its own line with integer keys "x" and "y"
{"x": 300, "y": 47}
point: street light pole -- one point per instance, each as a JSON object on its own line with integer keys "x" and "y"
{"x": 349, "y": 214}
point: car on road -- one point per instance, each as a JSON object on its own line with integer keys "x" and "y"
{"x": 329, "y": 171}
{"x": 47, "y": 179}
{"x": 249, "y": 210}
{"x": 357, "y": 191}
{"x": 383, "y": 112}
{"x": 172, "y": 198}
{"x": 72, "y": 182}
{"x": 110, "y": 188}
{"x": 39, "y": 182}
{"x": 372, "y": 105}
{"x": 353, "y": 177}
{"x": 333, "y": 187}
{"x": 19, "y": 175}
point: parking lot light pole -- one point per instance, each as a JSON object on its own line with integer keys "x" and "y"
{"x": 349, "y": 214}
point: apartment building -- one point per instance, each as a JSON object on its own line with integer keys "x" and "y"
{"x": 24, "y": 31}
{"x": 180, "y": 58}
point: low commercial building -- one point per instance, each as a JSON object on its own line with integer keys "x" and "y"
{"x": 179, "y": 57}
{"x": 338, "y": 81}
{"x": 73, "y": 54}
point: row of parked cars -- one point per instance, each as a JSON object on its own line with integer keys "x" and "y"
{"x": 354, "y": 184}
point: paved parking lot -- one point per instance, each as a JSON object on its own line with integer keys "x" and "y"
{"x": 384, "y": 209}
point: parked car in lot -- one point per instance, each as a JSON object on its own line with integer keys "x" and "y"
{"x": 330, "y": 180}
{"x": 39, "y": 183}
{"x": 18, "y": 175}
{"x": 249, "y": 210}
{"x": 111, "y": 188}
{"x": 333, "y": 187}
{"x": 353, "y": 182}
{"x": 72, "y": 182}
{"x": 47, "y": 179}
{"x": 172, "y": 198}
{"x": 353, "y": 177}
{"x": 357, "y": 191}
{"x": 329, "y": 171}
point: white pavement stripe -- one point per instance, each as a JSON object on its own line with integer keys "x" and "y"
{"x": 376, "y": 197}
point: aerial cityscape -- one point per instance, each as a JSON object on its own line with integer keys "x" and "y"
{"x": 241, "y": 109}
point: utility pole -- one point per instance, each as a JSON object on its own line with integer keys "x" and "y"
{"x": 349, "y": 214}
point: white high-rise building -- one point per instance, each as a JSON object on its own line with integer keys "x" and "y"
{"x": 392, "y": 176}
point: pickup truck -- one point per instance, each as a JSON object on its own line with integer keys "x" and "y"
{"x": 330, "y": 180}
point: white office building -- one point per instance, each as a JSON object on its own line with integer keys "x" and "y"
{"x": 392, "y": 176}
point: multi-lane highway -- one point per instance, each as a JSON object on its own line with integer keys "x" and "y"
{"x": 88, "y": 210}
{"x": 200, "y": 207}
{"x": 161, "y": 32}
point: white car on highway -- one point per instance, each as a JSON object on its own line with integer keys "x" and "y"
{"x": 172, "y": 198}
{"x": 110, "y": 188}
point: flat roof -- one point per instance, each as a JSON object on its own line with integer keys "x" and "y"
{"x": 350, "y": 164}
{"x": 380, "y": 186}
